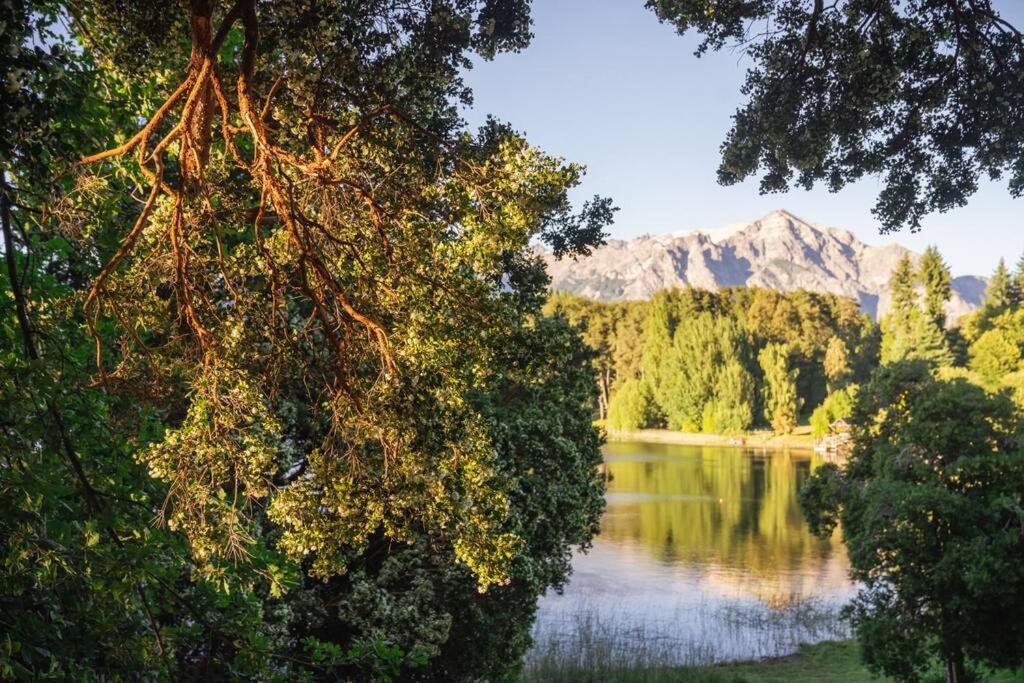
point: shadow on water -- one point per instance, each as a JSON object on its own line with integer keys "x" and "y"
{"x": 703, "y": 556}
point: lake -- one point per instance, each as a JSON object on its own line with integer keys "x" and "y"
{"x": 703, "y": 556}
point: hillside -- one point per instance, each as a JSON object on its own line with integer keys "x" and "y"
{"x": 780, "y": 251}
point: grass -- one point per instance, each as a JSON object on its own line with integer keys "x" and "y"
{"x": 828, "y": 662}
{"x": 592, "y": 646}
{"x": 824, "y": 662}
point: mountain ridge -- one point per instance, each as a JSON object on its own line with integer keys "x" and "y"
{"x": 779, "y": 251}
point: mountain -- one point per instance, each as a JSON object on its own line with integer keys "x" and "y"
{"x": 779, "y": 251}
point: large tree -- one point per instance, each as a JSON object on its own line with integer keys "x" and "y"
{"x": 929, "y": 503}
{"x": 314, "y": 322}
{"x": 781, "y": 401}
{"x": 927, "y": 94}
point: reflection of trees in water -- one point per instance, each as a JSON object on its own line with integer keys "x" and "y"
{"x": 733, "y": 513}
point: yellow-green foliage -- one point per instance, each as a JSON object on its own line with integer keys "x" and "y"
{"x": 632, "y": 406}
{"x": 839, "y": 404}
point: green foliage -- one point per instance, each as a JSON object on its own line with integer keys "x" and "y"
{"x": 632, "y": 406}
{"x": 909, "y": 333}
{"x": 673, "y": 344}
{"x": 999, "y": 292}
{"x": 929, "y": 507}
{"x": 934, "y": 274}
{"x": 838, "y": 369}
{"x": 693, "y": 373}
{"x": 731, "y": 409}
{"x": 838, "y": 405}
{"x": 925, "y": 94}
{"x": 781, "y": 403}
{"x": 902, "y": 288}
{"x": 995, "y": 354}
{"x": 327, "y": 411}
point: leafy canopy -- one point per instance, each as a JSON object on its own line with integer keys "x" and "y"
{"x": 927, "y": 94}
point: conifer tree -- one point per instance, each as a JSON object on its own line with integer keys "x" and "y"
{"x": 1017, "y": 288}
{"x": 897, "y": 325}
{"x": 934, "y": 274}
{"x": 999, "y": 294}
{"x": 901, "y": 287}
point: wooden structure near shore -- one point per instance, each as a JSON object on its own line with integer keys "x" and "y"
{"x": 836, "y": 444}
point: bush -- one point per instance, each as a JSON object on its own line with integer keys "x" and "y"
{"x": 839, "y": 404}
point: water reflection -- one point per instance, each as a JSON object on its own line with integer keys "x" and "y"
{"x": 693, "y": 535}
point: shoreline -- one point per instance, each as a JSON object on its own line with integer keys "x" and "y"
{"x": 800, "y": 439}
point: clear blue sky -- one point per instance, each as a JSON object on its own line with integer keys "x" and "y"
{"x": 606, "y": 85}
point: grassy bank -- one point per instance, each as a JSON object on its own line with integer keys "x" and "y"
{"x": 829, "y": 662}
{"x": 800, "y": 439}
{"x": 826, "y": 662}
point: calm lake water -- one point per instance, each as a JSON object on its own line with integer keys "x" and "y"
{"x": 703, "y": 556}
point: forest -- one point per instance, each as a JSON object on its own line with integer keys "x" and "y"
{"x": 285, "y": 394}
{"x": 727, "y": 361}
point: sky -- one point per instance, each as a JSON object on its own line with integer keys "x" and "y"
{"x": 605, "y": 84}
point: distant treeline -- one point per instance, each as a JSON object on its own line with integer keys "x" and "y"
{"x": 738, "y": 358}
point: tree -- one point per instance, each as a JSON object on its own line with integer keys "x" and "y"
{"x": 924, "y": 501}
{"x": 702, "y": 347}
{"x": 658, "y": 330}
{"x": 999, "y": 292}
{"x": 889, "y": 88}
{"x": 838, "y": 405}
{"x": 907, "y": 331}
{"x": 838, "y": 369}
{"x": 628, "y": 341}
{"x": 902, "y": 288}
{"x": 316, "y": 336}
{"x": 731, "y": 410}
{"x": 598, "y": 322}
{"x": 781, "y": 402}
{"x": 995, "y": 355}
{"x": 1017, "y": 286}
{"x": 539, "y": 418}
{"x": 632, "y": 406}
{"x": 934, "y": 274}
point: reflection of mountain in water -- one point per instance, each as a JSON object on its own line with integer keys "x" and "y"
{"x": 729, "y": 515}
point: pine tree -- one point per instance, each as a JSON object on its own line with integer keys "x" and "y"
{"x": 897, "y": 325}
{"x": 998, "y": 294}
{"x": 928, "y": 342}
{"x": 934, "y": 274}
{"x": 1017, "y": 288}
{"x": 902, "y": 288}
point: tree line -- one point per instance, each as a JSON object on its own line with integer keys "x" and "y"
{"x": 739, "y": 358}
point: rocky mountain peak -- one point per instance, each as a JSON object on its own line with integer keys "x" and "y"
{"x": 779, "y": 251}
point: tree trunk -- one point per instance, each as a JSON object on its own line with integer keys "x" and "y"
{"x": 956, "y": 671}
